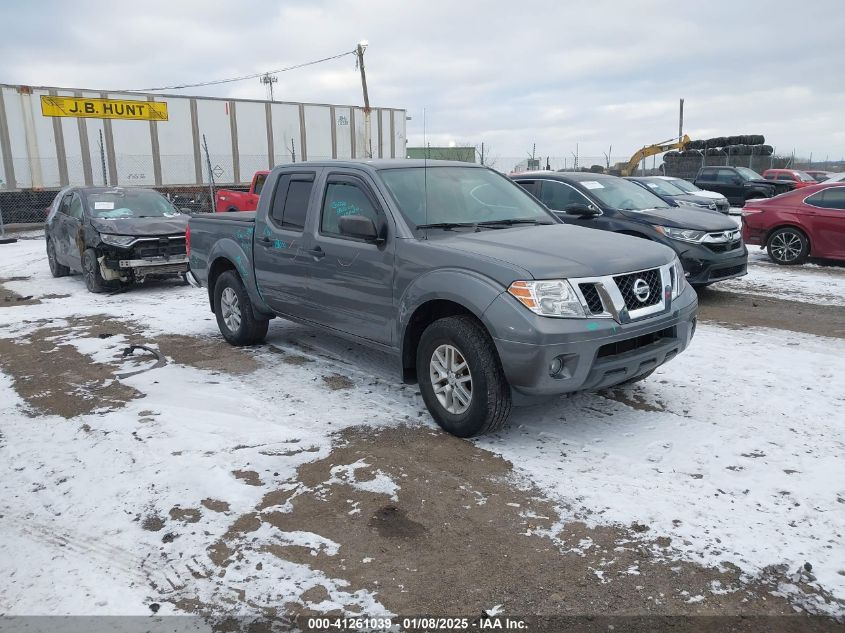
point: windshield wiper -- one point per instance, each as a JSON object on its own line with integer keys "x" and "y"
{"x": 512, "y": 221}
{"x": 446, "y": 225}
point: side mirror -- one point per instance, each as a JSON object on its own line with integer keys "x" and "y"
{"x": 737, "y": 180}
{"x": 187, "y": 210}
{"x": 581, "y": 210}
{"x": 359, "y": 227}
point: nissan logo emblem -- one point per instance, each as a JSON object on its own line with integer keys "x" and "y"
{"x": 641, "y": 290}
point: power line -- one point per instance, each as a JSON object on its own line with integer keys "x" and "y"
{"x": 245, "y": 77}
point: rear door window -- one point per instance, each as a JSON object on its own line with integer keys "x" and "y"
{"x": 290, "y": 200}
{"x": 75, "y": 209}
{"x": 531, "y": 186}
{"x": 557, "y": 195}
{"x": 833, "y": 198}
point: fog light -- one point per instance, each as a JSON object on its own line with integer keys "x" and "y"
{"x": 693, "y": 323}
{"x": 555, "y": 367}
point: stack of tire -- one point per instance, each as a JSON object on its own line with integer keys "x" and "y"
{"x": 685, "y": 163}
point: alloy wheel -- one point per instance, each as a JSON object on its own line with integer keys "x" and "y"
{"x": 786, "y": 246}
{"x": 230, "y": 309}
{"x": 451, "y": 379}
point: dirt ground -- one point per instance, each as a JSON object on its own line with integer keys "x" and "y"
{"x": 737, "y": 310}
{"x": 458, "y": 537}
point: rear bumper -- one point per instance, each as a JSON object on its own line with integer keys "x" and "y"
{"x": 593, "y": 353}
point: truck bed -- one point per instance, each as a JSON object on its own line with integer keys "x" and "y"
{"x": 239, "y": 216}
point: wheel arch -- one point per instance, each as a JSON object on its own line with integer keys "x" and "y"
{"x": 218, "y": 267}
{"x": 424, "y": 315}
{"x": 790, "y": 225}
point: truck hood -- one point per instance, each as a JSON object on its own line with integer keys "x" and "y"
{"x": 684, "y": 217}
{"x": 142, "y": 227}
{"x": 560, "y": 250}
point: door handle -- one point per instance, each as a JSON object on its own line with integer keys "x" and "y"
{"x": 316, "y": 252}
{"x": 265, "y": 240}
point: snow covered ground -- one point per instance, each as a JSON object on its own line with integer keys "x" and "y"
{"x": 734, "y": 450}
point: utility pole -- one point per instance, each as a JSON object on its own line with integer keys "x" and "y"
{"x": 268, "y": 80}
{"x": 681, "y": 123}
{"x": 368, "y": 143}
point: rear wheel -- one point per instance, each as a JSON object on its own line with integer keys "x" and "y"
{"x": 788, "y": 247}
{"x": 56, "y": 269}
{"x": 233, "y": 308}
{"x": 461, "y": 378}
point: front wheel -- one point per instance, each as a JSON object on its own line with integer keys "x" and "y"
{"x": 93, "y": 277}
{"x": 233, "y": 308}
{"x": 461, "y": 378}
{"x": 788, "y": 247}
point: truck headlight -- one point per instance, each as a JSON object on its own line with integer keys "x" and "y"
{"x": 117, "y": 240}
{"x": 679, "y": 279}
{"x": 682, "y": 235}
{"x": 548, "y": 297}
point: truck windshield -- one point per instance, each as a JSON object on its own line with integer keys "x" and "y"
{"x": 461, "y": 195}
{"x": 749, "y": 174}
{"x": 129, "y": 203}
{"x": 618, "y": 193}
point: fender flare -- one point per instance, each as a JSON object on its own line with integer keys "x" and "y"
{"x": 231, "y": 250}
{"x": 471, "y": 290}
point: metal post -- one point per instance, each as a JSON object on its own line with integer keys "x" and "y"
{"x": 210, "y": 173}
{"x": 681, "y": 123}
{"x": 103, "y": 159}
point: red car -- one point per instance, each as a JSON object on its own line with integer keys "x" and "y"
{"x": 806, "y": 222}
{"x": 796, "y": 177}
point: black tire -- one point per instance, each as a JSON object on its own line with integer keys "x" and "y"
{"x": 91, "y": 272}
{"x": 788, "y": 246}
{"x": 490, "y": 395}
{"x": 249, "y": 329}
{"x": 56, "y": 269}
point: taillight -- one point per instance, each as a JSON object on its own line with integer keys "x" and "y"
{"x": 188, "y": 240}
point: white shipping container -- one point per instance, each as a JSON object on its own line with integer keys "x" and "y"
{"x": 243, "y": 136}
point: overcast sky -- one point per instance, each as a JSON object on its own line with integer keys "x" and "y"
{"x": 510, "y": 74}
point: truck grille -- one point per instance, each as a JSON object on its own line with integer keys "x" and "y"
{"x": 172, "y": 246}
{"x": 635, "y": 343}
{"x": 591, "y": 296}
{"x": 627, "y": 283}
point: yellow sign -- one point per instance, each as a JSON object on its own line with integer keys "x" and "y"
{"x": 103, "y": 108}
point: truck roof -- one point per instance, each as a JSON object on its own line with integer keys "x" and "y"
{"x": 382, "y": 163}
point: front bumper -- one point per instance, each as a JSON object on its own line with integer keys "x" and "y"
{"x": 593, "y": 353}
{"x": 703, "y": 266}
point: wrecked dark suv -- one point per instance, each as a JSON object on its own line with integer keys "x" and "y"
{"x": 115, "y": 236}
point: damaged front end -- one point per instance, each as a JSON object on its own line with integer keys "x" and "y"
{"x": 133, "y": 259}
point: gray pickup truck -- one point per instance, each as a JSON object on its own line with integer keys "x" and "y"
{"x": 479, "y": 291}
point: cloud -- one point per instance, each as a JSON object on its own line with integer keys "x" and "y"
{"x": 594, "y": 74}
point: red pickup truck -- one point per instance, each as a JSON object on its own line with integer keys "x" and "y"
{"x": 228, "y": 200}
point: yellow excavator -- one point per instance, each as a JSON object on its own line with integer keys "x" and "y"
{"x": 630, "y": 168}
